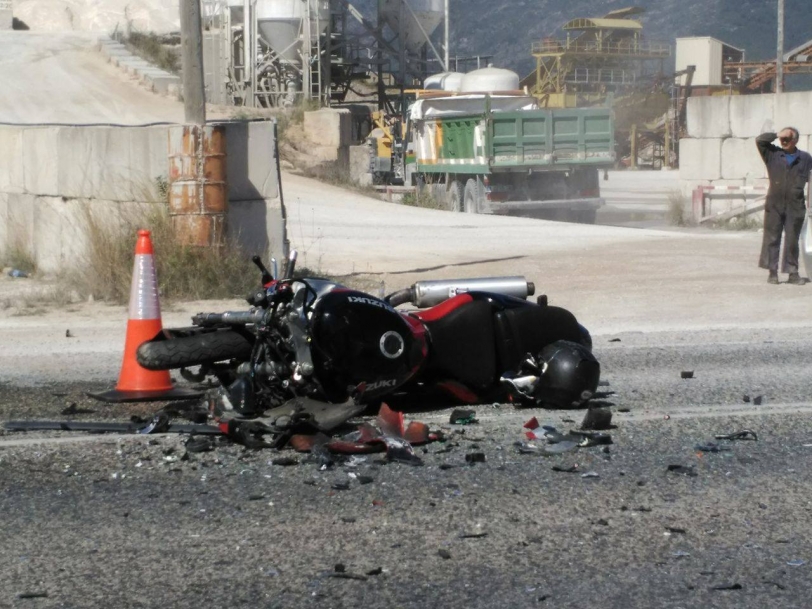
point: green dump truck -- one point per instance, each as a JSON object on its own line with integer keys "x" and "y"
{"x": 502, "y": 154}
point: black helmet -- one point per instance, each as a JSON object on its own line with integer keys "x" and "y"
{"x": 569, "y": 375}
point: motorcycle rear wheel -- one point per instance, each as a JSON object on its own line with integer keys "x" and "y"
{"x": 194, "y": 350}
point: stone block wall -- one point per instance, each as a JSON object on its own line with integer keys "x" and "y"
{"x": 52, "y": 176}
{"x": 6, "y": 15}
{"x": 720, "y": 149}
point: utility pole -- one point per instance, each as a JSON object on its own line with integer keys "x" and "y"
{"x": 446, "y": 28}
{"x": 191, "y": 39}
{"x": 779, "y": 57}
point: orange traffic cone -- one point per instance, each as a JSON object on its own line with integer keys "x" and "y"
{"x": 135, "y": 383}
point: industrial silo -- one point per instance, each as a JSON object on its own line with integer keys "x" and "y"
{"x": 413, "y": 20}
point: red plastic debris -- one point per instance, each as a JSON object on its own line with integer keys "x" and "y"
{"x": 532, "y": 424}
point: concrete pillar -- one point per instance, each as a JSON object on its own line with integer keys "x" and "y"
{"x": 198, "y": 197}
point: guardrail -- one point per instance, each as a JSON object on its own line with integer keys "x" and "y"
{"x": 701, "y": 210}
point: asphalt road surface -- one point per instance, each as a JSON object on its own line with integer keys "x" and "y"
{"x": 129, "y": 522}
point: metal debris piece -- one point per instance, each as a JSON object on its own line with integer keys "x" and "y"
{"x": 444, "y": 554}
{"x": 32, "y": 595}
{"x": 676, "y": 530}
{"x": 614, "y": 340}
{"x": 686, "y": 374}
{"x": 460, "y": 416}
{"x": 744, "y": 434}
{"x": 746, "y": 398}
{"x": 473, "y": 535}
{"x": 571, "y": 469}
{"x": 375, "y": 571}
{"x": 757, "y": 401}
{"x": 590, "y": 475}
{"x": 796, "y": 563}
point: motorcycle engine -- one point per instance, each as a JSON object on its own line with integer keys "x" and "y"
{"x": 358, "y": 339}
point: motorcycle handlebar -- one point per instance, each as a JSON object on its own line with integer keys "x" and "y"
{"x": 234, "y": 318}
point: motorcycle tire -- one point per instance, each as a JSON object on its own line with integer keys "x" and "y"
{"x": 203, "y": 348}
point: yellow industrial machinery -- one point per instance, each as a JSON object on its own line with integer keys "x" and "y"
{"x": 598, "y": 56}
{"x": 385, "y": 153}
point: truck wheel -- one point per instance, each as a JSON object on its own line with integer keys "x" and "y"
{"x": 472, "y": 197}
{"x": 454, "y": 196}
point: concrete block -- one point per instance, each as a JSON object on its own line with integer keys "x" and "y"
{"x": 149, "y": 155}
{"x": 159, "y": 83}
{"x": 251, "y": 164}
{"x": 258, "y": 226}
{"x": 359, "y": 165}
{"x": 49, "y": 219}
{"x": 11, "y": 159}
{"x": 3, "y": 223}
{"x": 793, "y": 110}
{"x": 6, "y": 15}
{"x": 700, "y": 159}
{"x": 111, "y": 157}
{"x": 78, "y": 171}
{"x": 749, "y": 114}
{"x": 687, "y": 187}
{"x": 741, "y": 160}
{"x": 329, "y": 127}
{"x": 41, "y": 160}
{"x": 19, "y": 221}
{"x": 709, "y": 117}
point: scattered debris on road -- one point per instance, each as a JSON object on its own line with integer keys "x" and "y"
{"x": 597, "y": 419}
{"x": 744, "y": 434}
{"x": 685, "y": 470}
{"x": 463, "y": 417}
{"x": 687, "y": 374}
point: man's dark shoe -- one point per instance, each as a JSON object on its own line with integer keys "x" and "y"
{"x": 796, "y": 279}
{"x": 773, "y": 278}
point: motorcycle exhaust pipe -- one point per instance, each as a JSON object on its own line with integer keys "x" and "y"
{"x": 429, "y": 293}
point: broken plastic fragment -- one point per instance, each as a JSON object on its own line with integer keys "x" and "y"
{"x": 597, "y": 419}
{"x": 685, "y": 470}
{"x": 687, "y": 374}
{"x": 444, "y": 554}
{"x": 590, "y": 475}
{"x": 758, "y": 400}
{"x": 711, "y": 447}
{"x": 475, "y": 458}
{"x": 796, "y": 563}
{"x": 571, "y": 469}
{"x": 531, "y": 424}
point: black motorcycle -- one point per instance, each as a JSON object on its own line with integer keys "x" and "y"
{"x": 478, "y": 340}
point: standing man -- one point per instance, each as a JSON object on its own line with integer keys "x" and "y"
{"x": 788, "y": 169}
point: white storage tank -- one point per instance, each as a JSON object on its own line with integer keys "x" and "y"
{"x": 489, "y": 79}
{"x": 444, "y": 81}
{"x": 280, "y": 24}
{"x": 428, "y": 14}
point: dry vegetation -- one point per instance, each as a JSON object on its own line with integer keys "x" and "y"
{"x": 184, "y": 272}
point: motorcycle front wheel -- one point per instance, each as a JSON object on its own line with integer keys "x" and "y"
{"x": 196, "y": 349}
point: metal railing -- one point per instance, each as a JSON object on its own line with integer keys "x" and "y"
{"x": 629, "y": 48}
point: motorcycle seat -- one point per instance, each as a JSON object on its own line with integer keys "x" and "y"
{"x": 462, "y": 345}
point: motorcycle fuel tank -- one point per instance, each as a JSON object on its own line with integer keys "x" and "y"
{"x": 357, "y": 339}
